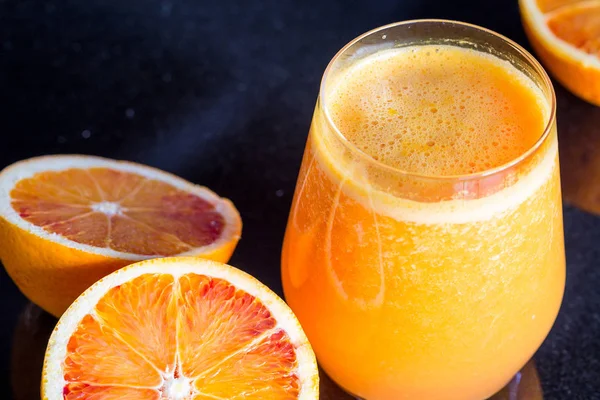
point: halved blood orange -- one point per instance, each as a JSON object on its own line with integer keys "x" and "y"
{"x": 179, "y": 328}
{"x": 67, "y": 221}
{"x": 566, "y": 36}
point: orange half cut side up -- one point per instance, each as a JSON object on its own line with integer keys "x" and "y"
{"x": 175, "y": 329}
{"x": 67, "y": 221}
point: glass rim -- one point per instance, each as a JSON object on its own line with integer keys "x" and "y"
{"x": 460, "y": 177}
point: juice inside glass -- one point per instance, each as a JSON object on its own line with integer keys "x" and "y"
{"x": 424, "y": 251}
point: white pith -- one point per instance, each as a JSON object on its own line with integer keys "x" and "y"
{"x": 28, "y": 168}
{"x": 178, "y": 388}
{"x": 107, "y": 208}
{"x": 53, "y": 378}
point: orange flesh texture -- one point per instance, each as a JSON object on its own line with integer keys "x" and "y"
{"x": 412, "y": 308}
{"x": 576, "y": 22}
{"x": 118, "y": 210}
{"x": 156, "y": 327}
{"x": 579, "y": 25}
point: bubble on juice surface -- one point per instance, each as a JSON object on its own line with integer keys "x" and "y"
{"x": 438, "y": 110}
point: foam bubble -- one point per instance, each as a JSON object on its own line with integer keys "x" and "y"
{"x": 482, "y": 135}
{"x": 426, "y": 106}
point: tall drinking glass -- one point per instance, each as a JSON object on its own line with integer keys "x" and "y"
{"x": 424, "y": 251}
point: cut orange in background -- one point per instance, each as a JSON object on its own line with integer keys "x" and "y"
{"x": 67, "y": 221}
{"x": 565, "y": 34}
{"x": 179, "y": 329}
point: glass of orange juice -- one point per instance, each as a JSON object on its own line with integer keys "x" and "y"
{"x": 424, "y": 251}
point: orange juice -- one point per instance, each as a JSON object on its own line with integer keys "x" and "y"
{"x": 424, "y": 251}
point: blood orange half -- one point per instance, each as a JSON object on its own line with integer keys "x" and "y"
{"x": 67, "y": 221}
{"x": 179, "y": 329}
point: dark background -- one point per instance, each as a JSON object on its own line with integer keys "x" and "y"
{"x": 221, "y": 93}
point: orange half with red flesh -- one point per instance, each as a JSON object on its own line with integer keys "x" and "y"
{"x": 179, "y": 328}
{"x": 67, "y": 221}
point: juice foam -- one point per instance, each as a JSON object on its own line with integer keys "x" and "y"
{"x": 438, "y": 110}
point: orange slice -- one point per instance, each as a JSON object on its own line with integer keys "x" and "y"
{"x": 179, "y": 329}
{"x": 566, "y": 36}
{"x": 353, "y": 254}
{"x": 67, "y": 221}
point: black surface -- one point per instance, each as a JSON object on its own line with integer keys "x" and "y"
{"x": 222, "y": 94}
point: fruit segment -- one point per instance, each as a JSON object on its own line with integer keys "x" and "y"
{"x": 267, "y": 367}
{"x": 215, "y": 320}
{"x": 143, "y": 312}
{"x": 578, "y": 25}
{"x": 97, "y": 355}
